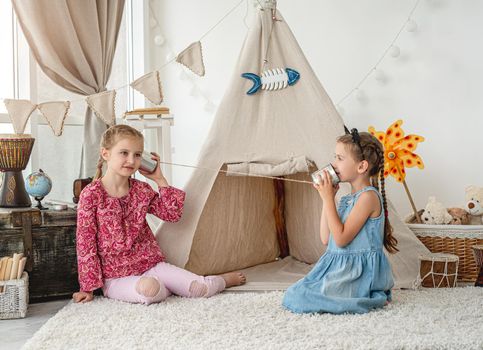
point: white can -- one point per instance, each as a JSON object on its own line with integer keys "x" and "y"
{"x": 147, "y": 163}
{"x": 330, "y": 170}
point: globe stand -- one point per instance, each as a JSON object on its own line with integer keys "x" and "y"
{"x": 12, "y": 191}
{"x": 39, "y": 204}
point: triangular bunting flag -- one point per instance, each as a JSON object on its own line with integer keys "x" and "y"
{"x": 103, "y": 106}
{"x": 55, "y": 113}
{"x": 19, "y": 112}
{"x": 150, "y": 86}
{"x": 192, "y": 58}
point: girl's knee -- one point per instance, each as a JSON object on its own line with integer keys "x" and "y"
{"x": 198, "y": 289}
{"x": 206, "y": 288}
{"x": 151, "y": 290}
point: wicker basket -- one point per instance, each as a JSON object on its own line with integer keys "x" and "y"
{"x": 453, "y": 239}
{"x": 14, "y": 298}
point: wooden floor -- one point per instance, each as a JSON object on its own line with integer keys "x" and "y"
{"x": 14, "y": 333}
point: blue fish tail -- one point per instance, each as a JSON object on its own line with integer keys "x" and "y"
{"x": 257, "y": 82}
{"x": 293, "y": 76}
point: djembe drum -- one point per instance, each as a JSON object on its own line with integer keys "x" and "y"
{"x": 478, "y": 253}
{"x": 438, "y": 270}
{"x": 15, "y": 150}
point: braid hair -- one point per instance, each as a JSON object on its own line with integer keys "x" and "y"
{"x": 100, "y": 162}
{"x": 390, "y": 242}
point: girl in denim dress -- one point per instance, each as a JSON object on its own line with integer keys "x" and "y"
{"x": 354, "y": 275}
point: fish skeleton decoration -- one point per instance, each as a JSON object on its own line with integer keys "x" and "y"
{"x": 272, "y": 79}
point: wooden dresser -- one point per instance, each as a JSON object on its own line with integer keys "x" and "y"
{"x": 47, "y": 238}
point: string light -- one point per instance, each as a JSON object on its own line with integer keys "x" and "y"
{"x": 392, "y": 49}
{"x": 171, "y": 56}
{"x": 379, "y": 75}
{"x": 159, "y": 40}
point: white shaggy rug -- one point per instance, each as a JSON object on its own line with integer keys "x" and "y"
{"x": 425, "y": 319}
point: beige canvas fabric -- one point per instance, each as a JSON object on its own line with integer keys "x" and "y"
{"x": 192, "y": 58}
{"x": 103, "y": 106}
{"x": 19, "y": 112}
{"x": 55, "y": 114}
{"x": 73, "y": 43}
{"x": 150, "y": 86}
{"x": 228, "y": 221}
{"x": 277, "y": 275}
{"x": 291, "y": 166}
{"x": 225, "y": 240}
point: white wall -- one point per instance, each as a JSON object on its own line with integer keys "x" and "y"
{"x": 435, "y": 85}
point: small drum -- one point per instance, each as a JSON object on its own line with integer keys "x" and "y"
{"x": 438, "y": 270}
{"x": 478, "y": 253}
{"x": 15, "y": 151}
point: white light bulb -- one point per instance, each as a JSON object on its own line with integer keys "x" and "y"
{"x": 159, "y": 40}
{"x": 360, "y": 96}
{"x": 411, "y": 26}
{"x": 394, "y": 51}
{"x": 379, "y": 75}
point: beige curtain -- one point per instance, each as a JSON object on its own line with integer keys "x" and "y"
{"x": 74, "y": 42}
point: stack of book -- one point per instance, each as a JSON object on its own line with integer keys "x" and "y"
{"x": 146, "y": 113}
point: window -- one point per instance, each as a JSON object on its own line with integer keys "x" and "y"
{"x": 59, "y": 157}
{"x": 14, "y": 64}
{"x": 6, "y": 58}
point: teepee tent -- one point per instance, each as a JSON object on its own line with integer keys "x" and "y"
{"x": 267, "y": 225}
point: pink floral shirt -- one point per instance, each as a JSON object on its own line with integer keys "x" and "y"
{"x": 113, "y": 237}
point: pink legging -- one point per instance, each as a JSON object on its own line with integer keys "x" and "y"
{"x": 170, "y": 280}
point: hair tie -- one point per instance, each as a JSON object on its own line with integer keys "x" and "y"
{"x": 356, "y": 138}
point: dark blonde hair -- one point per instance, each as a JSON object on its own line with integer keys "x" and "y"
{"x": 112, "y": 136}
{"x": 368, "y": 148}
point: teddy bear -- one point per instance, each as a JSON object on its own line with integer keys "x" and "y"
{"x": 460, "y": 216}
{"x": 474, "y": 203}
{"x": 435, "y": 213}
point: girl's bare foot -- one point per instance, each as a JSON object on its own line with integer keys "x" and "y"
{"x": 234, "y": 278}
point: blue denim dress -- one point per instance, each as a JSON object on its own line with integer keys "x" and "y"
{"x": 352, "y": 279}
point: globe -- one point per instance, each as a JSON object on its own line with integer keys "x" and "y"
{"x": 38, "y": 185}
